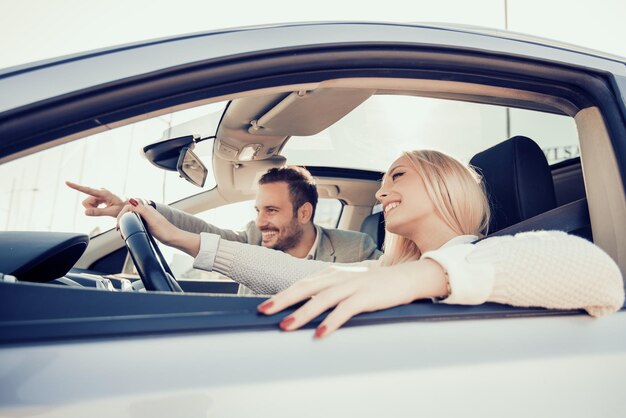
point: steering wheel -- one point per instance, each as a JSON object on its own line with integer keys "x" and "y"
{"x": 154, "y": 271}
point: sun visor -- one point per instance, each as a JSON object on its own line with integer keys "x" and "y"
{"x": 304, "y": 113}
{"x": 246, "y": 175}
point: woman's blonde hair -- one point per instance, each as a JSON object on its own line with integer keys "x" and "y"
{"x": 458, "y": 196}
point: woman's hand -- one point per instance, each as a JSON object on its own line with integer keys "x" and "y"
{"x": 162, "y": 229}
{"x": 356, "y": 289}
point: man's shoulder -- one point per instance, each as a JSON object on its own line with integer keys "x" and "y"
{"x": 344, "y": 235}
{"x": 349, "y": 239}
{"x": 349, "y": 246}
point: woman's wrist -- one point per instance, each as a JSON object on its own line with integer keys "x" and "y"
{"x": 187, "y": 242}
{"x": 436, "y": 280}
{"x": 428, "y": 279}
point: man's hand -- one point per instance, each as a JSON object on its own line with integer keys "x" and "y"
{"x": 112, "y": 203}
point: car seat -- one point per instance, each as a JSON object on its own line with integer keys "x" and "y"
{"x": 374, "y": 226}
{"x": 519, "y": 184}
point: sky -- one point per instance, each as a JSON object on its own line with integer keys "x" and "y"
{"x": 33, "y": 30}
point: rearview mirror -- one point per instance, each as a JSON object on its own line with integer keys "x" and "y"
{"x": 191, "y": 168}
{"x": 176, "y": 155}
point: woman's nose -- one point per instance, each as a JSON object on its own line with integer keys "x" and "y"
{"x": 381, "y": 193}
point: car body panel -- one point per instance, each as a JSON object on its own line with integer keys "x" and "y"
{"x": 528, "y": 365}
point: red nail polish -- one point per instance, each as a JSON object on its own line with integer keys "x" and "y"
{"x": 286, "y": 322}
{"x": 265, "y": 306}
{"x": 319, "y": 332}
{"x": 132, "y": 202}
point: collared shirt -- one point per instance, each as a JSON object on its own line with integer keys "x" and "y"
{"x": 318, "y": 238}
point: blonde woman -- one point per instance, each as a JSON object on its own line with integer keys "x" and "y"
{"x": 435, "y": 209}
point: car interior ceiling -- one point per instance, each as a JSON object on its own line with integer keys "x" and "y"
{"x": 302, "y": 110}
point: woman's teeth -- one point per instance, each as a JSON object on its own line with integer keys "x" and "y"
{"x": 390, "y": 206}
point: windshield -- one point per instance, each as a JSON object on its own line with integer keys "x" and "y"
{"x": 35, "y": 198}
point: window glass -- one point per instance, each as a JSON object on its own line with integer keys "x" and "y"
{"x": 236, "y": 217}
{"x": 34, "y": 196}
{"x": 328, "y": 212}
{"x": 555, "y": 134}
{"x": 374, "y": 134}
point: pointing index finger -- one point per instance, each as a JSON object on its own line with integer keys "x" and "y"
{"x": 84, "y": 189}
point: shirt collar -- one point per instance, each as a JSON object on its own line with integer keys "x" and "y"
{"x": 316, "y": 243}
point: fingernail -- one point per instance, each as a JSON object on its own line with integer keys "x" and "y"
{"x": 132, "y": 202}
{"x": 284, "y": 324}
{"x": 265, "y": 306}
{"x": 319, "y": 332}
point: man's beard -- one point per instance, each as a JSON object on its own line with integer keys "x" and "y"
{"x": 290, "y": 237}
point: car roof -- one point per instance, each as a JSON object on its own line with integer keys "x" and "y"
{"x": 31, "y": 83}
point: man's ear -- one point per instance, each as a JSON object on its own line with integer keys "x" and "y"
{"x": 305, "y": 212}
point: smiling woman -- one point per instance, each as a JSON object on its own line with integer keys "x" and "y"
{"x": 422, "y": 190}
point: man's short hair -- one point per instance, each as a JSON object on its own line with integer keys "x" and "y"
{"x": 301, "y": 185}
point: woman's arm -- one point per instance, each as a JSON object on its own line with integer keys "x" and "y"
{"x": 262, "y": 270}
{"x": 549, "y": 269}
{"x": 545, "y": 268}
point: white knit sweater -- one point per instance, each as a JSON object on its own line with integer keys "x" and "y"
{"x": 548, "y": 269}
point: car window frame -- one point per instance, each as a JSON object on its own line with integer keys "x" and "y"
{"x": 595, "y": 87}
{"x": 83, "y": 313}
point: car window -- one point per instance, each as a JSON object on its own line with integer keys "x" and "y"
{"x": 35, "y": 198}
{"x": 457, "y": 128}
{"x": 328, "y": 212}
{"x": 236, "y": 217}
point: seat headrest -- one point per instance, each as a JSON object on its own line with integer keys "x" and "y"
{"x": 518, "y": 181}
{"x": 374, "y": 226}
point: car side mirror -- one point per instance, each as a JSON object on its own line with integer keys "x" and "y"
{"x": 190, "y": 167}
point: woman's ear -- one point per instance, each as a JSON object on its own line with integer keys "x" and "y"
{"x": 305, "y": 213}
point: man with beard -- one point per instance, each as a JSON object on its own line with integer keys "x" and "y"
{"x": 285, "y": 205}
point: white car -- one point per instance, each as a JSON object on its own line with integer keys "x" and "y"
{"x": 545, "y": 122}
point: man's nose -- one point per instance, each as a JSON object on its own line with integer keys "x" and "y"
{"x": 260, "y": 220}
